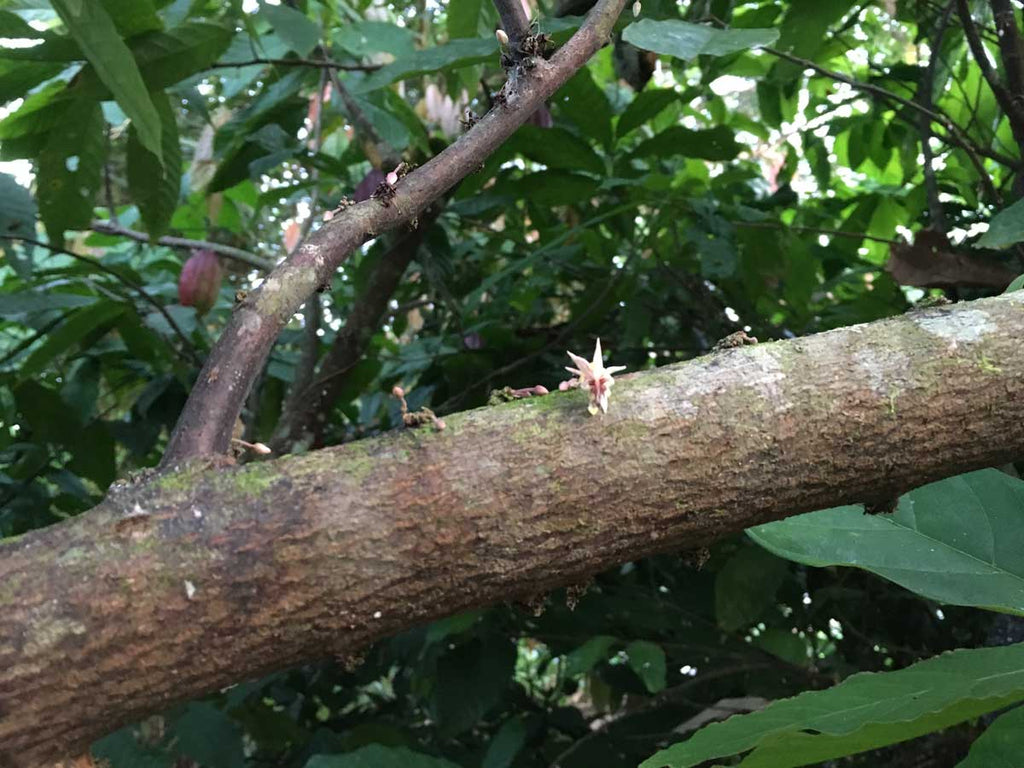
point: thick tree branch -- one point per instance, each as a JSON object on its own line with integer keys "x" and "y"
{"x": 199, "y": 578}
{"x": 227, "y": 251}
{"x": 216, "y": 400}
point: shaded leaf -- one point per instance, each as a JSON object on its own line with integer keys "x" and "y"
{"x": 81, "y": 323}
{"x": 716, "y": 143}
{"x": 865, "y": 711}
{"x": 17, "y": 219}
{"x": 1001, "y": 745}
{"x": 378, "y": 756}
{"x": 470, "y": 680}
{"x": 647, "y": 660}
{"x": 1005, "y": 229}
{"x": 643, "y": 107}
{"x": 745, "y": 587}
{"x": 94, "y": 30}
{"x": 506, "y": 744}
{"x": 957, "y": 541}
{"x": 155, "y": 186}
{"x": 456, "y": 54}
{"x": 294, "y": 27}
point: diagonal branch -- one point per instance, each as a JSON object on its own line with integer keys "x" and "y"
{"x": 1013, "y": 110}
{"x": 205, "y": 425}
{"x": 324, "y": 553}
{"x": 227, "y": 251}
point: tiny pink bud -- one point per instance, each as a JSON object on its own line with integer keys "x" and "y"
{"x": 439, "y": 425}
{"x": 199, "y": 282}
{"x": 392, "y": 178}
{"x": 397, "y": 391}
{"x": 563, "y": 386}
{"x": 260, "y": 448}
{"x": 540, "y": 389}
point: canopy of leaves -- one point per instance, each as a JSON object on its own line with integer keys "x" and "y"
{"x": 721, "y": 167}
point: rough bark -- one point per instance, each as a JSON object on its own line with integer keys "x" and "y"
{"x": 199, "y": 578}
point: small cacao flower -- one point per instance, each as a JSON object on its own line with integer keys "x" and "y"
{"x": 199, "y": 282}
{"x": 502, "y": 37}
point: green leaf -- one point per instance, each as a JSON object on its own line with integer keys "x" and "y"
{"x": 133, "y": 17}
{"x": 81, "y": 323}
{"x": 19, "y": 77}
{"x": 957, "y": 541}
{"x": 1001, "y": 745}
{"x": 1016, "y": 284}
{"x": 865, "y": 711}
{"x": 507, "y": 743}
{"x": 463, "y": 18}
{"x": 17, "y": 219}
{"x": 1005, "y": 229}
{"x": 745, "y": 587}
{"x": 208, "y": 736}
{"x": 583, "y": 102}
{"x": 648, "y": 661}
{"x": 378, "y": 756}
{"x": 92, "y": 453}
{"x": 684, "y": 40}
{"x": 368, "y": 37}
{"x": 470, "y": 680}
{"x": 93, "y": 29}
{"x": 716, "y": 143}
{"x": 71, "y": 169}
{"x": 643, "y": 107}
{"x": 588, "y": 655}
{"x": 294, "y": 27}
{"x": 25, "y": 302}
{"x": 556, "y": 148}
{"x": 456, "y": 54}
{"x": 165, "y": 58}
{"x": 806, "y": 22}
{"x": 154, "y": 186}
{"x": 122, "y": 750}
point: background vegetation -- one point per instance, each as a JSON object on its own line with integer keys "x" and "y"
{"x": 774, "y": 168}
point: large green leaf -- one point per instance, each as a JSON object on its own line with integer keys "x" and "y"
{"x": 456, "y": 54}
{"x": 865, "y": 711}
{"x": 684, "y": 40}
{"x": 1005, "y": 229}
{"x": 71, "y": 169}
{"x": 958, "y": 541}
{"x": 1001, "y": 745}
{"x": 643, "y": 107}
{"x": 463, "y": 18}
{"x": 93, "y": 29}
{"x": 155, "y": 186}
{"x": 718, "y": 143}
{"x": 294, "y": 27}
{"x": 556, "y": 148}
{"x": 379, "y": 756}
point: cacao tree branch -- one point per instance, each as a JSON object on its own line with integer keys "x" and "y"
{"x": 227, "y": 251}
{"x": 207, "y": 575}
{"x": 204, "y": 427}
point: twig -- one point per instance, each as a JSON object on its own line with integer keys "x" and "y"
{"x": 112, "y": 228}
{"x": 97, "y": 264}
{"x": 924, "y": 98}
{"x": 322, "y": 63}
{"x": 814, "y": 230}
{"x": 107, "y": 187}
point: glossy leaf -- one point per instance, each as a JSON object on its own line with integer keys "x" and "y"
{"x": 673, "y": 37}
{"x": 94, "y": 30}
{"x": 866, "y": 711}
{"x": 1001, "y": 745}
{"x": 1005, "y": 229}
{"x": 957, "y": 541}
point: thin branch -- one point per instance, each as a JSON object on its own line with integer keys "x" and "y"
{"x": 1012, "y": 110}
{"x": 227, "y": 251}
{"x": 1012, "y": 49}
{"x": 953, "y": 134}
{"x": 814, "y": 230}
{"x": 108, "y": 188}
{"x": 97, "y": 264}
{"x": 321, "y": 63}
{"x": 924, "y": 98}
{"x": 204, "y": 427}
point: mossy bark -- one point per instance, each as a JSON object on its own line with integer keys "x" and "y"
{"x": 196, "y": 579}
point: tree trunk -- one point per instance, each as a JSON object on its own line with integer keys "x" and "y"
{"x": 193, "y": 580}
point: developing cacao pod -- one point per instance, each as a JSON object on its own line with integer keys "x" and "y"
{"x": 199, "y": 282}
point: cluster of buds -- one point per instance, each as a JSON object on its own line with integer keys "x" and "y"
{"x": 416, "y": 418}
{"x": 594, "y": 377}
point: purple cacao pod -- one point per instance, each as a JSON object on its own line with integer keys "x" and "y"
{"x": 199, "y": 283}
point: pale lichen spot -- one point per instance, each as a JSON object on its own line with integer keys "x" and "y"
{"x": 966, "y": 326}
{"x": 251, "y": 323}
{"x": 190, "y": 589}
{"x": 377, "y": 614}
